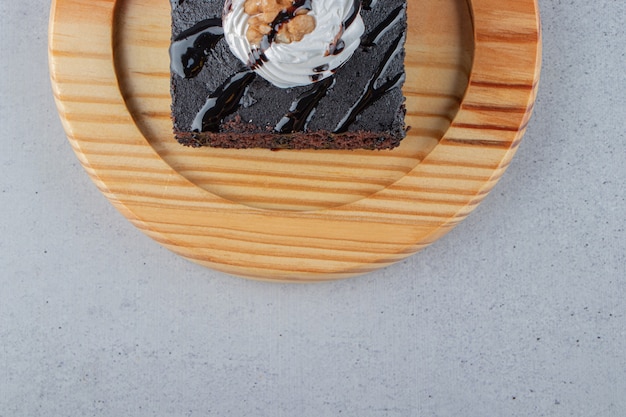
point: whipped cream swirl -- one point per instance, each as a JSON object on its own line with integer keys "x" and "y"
{"x": 318, "y": 55}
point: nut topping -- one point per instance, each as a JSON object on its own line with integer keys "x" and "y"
{"x": 263, "y": 13}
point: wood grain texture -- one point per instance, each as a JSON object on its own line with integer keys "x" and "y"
{"x": 472, "y": 74}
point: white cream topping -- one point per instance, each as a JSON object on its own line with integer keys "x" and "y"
{"x": 304, "y": 62}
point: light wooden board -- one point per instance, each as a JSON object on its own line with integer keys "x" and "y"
{"x": 472, "y": 74}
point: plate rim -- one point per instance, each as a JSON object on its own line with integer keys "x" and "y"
{"x": 263, "y": 253}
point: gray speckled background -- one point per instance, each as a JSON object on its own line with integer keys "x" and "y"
{"x": 519, "y": 311}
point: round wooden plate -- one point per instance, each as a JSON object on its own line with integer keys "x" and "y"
{"x": 472, "y": 72}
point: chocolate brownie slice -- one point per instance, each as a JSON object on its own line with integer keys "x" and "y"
{"x": 229, "y": 97}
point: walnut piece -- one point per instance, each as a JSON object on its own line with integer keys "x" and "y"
{"x": 264, "y": 12}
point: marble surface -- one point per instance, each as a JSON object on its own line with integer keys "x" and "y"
{"x": 519, "y": 311}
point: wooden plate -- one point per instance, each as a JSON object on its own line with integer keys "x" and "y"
{"x": 472, "y": 73}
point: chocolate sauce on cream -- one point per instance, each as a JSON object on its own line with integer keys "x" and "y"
{"x": 339, "y": 45}
{"x": 354, "y": 12}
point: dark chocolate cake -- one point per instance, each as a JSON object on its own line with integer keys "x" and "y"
{"x": 219, "y": 100}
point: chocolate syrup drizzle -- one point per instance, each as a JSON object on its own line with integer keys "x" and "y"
{"x": 303, "y": 108}
{"x": 372, "y": 93}
{"x": 373, "y": 37}
{"x": 191, "y": 48}
{"x": 222, "y": 102}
